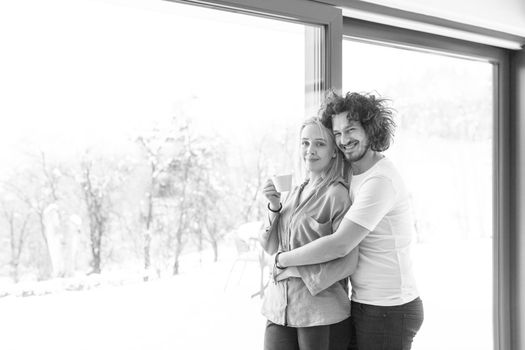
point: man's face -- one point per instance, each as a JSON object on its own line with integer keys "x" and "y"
{"x": 350, "y": 137}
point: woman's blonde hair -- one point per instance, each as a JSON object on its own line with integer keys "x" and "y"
{"x": 334, "y": 169}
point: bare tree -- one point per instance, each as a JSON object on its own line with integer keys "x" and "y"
{"x": 17, "y": 222}
{"x": 161, "y": 147}
{"x": 253, "y": 184}
{"x": 100, "y": 180}
{"x": 184, "y": 196}
{"x": 272, "y": 151}
{"x": 97, "y": 212}
{"x": 212, "y": 198}
{"x": 214, "y": 226}
{"x": 38, "y": 188}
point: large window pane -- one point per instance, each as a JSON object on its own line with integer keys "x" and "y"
{"x": 135, "y": 140}
{"x": 443, "y": 147}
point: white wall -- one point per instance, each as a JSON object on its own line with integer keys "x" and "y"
{"x": 503, "y": 15}
{"x": 507, "y": 16}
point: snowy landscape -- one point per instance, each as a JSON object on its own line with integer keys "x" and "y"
{"x": 206, "y": 307}
{"x": 128, "y": 169}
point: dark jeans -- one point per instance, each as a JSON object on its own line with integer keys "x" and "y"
{"x": 332, "y": 337}
{"x": 386, "y": 327}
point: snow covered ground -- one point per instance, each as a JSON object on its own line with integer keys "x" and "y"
{"x": 199, "y": 310}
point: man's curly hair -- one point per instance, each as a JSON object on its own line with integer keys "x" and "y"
{"x": 373, "y": 114}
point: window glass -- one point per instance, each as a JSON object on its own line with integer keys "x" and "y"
{"x": 443, "y": 147}
{"x": 135, "y": 140}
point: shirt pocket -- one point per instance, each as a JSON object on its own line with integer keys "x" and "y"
{"x": 308, "y": 229}
{"x": 321, "y": 228}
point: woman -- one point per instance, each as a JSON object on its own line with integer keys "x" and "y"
{"x": 299, "y": 316}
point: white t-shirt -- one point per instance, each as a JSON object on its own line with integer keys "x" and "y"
{"x": 381, "y": 204}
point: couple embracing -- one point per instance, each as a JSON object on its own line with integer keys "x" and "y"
{"x": 349, "y": 221}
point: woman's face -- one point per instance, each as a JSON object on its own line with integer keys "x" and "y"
{"x": 316, "y": 149}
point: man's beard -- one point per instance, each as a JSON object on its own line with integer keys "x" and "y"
{"x": 358, "y": 157}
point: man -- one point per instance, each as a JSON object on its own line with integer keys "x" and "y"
{"x": 386, "y": 309}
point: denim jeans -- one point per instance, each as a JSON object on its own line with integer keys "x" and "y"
{"x": 332, "y": 337}
{"x": 279, "y": 337}
{"x": 386, "y": 327}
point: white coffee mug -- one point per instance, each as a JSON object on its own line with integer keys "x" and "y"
{"x": 282, "y": 182}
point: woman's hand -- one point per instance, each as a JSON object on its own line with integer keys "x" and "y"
{"x": 286, "y": 273}
{"x": 271, "y": 194}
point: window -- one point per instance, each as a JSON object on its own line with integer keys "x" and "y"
{"x": 446, "y": 102}
{"x": 139, "y": 136}
{"x": 120, "y": 117}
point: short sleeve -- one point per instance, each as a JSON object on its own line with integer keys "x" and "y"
{"x": 373, "y": 200}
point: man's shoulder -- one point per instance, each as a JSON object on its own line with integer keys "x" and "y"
{"x": 385, "y": 165}
{"x": 385, "y": 168}
{"x": 388, "y": 174}
{"x": 382, "y": 175}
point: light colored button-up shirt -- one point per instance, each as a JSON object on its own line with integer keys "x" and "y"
{"x": 306, "y": 302}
